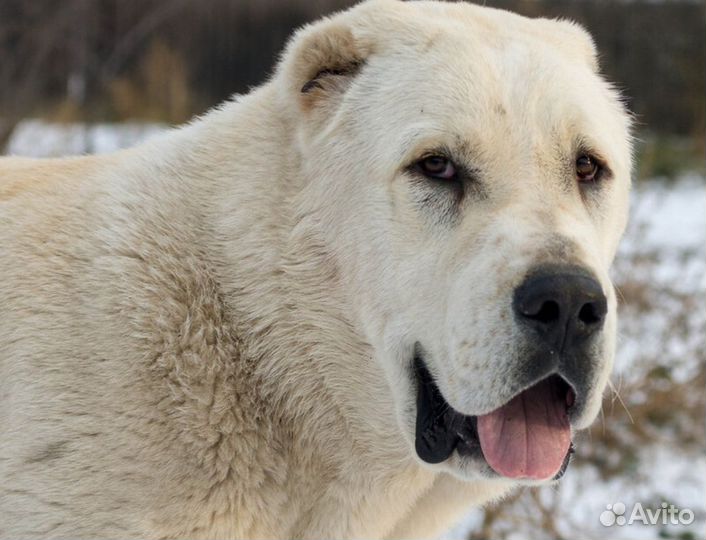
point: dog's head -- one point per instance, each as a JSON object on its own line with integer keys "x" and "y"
{"x": 470, "y": 171}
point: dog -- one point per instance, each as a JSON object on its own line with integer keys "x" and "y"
{"x": 355, "y": 302}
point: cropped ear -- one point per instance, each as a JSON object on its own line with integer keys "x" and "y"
{"x": 321, "y": 61}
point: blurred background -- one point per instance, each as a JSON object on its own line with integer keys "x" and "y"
{"x": 84, "y": 76}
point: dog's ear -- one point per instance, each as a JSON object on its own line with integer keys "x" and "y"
{"x": 321, "y": 62}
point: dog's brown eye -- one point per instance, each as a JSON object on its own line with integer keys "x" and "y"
{"x": 587, "y": 168}
{"x": 437, "y": 167}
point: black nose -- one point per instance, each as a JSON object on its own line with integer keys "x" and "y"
{"x": 565, "y": 305}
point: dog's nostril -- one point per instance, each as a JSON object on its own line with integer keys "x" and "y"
{"x": 547, "y": 313}
{"x": 591, "y": 313}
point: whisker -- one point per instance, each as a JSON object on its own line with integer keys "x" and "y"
{"x": 620, "y": 294}
{"x": 620, "y": 400}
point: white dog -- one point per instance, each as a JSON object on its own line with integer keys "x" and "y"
{"x": 369, "y": 294}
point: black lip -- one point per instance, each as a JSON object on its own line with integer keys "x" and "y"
{"x": 440, "y": 429}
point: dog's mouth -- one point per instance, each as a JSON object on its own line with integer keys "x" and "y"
{"x": 527, "y": 438}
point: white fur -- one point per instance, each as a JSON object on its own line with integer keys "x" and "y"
{"x": 210, "y": 335}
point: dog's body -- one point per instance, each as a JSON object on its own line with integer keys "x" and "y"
{"x": 196, "y": 339}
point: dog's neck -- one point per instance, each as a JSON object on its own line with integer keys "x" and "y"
{"x": 325, "y": 419}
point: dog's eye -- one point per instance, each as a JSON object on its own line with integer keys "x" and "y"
{"x": 437, "y": 168}
{"x": 587, "y": 168}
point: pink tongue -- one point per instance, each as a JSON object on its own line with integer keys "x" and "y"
{"x": 528, "y": 437}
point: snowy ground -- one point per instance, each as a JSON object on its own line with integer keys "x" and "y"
{"x": 661, "y": 275}
{"x": 35, "y": 138}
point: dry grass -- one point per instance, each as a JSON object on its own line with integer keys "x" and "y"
{"x": 158, "y": 91}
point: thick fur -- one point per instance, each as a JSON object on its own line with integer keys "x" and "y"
{"x": 210, "y": 335}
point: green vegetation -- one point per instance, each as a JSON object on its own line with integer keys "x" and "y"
{"x": 669, "y": 157}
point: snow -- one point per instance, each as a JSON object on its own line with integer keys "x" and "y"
{"x": 662, "y": 257}
{"x": 36, "y": 138}
{"x": 670, "y": 218}
{"x": 667, "y": 234}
